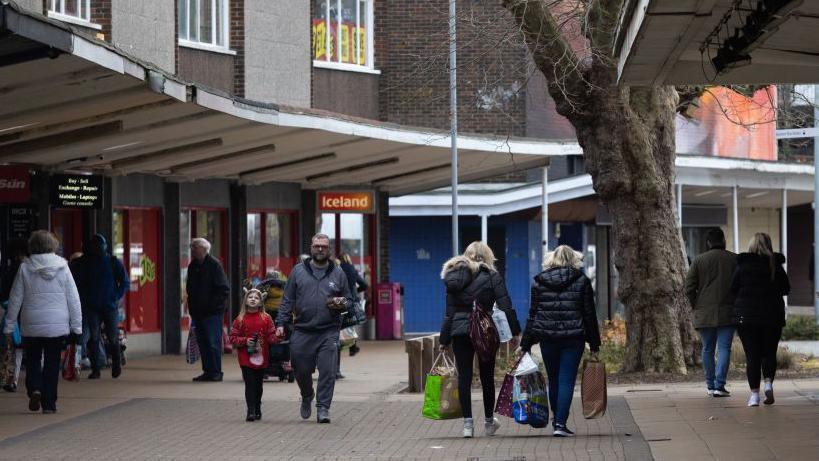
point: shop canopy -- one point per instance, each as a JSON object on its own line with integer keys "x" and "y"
{"x": 662, "y": 42}
{"x": 68, "y": 102}
{"x": 706, "y": 181}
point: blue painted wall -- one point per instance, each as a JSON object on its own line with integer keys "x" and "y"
{"x": 420, "y": 245}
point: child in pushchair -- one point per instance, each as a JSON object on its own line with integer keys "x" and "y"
{"x": 279, "y": 364}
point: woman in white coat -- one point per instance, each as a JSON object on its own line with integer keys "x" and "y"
{"x": 46, "y": 299}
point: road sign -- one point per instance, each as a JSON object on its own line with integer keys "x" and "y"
{"x": 797, "y": 133}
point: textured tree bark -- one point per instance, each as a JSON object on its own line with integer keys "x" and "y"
{"x": 627, "y": 136}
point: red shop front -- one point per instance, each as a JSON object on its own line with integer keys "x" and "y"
{"x": 137, "y": 243}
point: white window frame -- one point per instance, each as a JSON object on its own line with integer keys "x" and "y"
{"x": 369, "y": 66}
{"x": 56, "y": 10}
{"x": 207, "y": 46}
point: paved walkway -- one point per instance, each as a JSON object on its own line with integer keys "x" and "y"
{"x": 154, "y": 411}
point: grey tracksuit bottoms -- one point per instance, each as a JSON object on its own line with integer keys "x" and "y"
{"x": 311, "y": 349}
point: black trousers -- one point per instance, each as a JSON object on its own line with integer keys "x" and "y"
{"x": 43, "y": 378}
{"x": 464, "y": 354}
{"x": 760, "y": 343}
{"x": 254, "y": 386}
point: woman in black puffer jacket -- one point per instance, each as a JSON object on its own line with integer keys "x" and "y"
{"x": 470, "y": 278}
{"x": 562, "y": 318}
{"x": 759, "y": 285}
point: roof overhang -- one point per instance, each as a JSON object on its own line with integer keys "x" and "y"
{"x": 70, "y": 102}
{"x": 707, "y": 181}
{"x": 659, "y": 42}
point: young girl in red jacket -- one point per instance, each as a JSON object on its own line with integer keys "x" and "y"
{"x": 252, "y": 332}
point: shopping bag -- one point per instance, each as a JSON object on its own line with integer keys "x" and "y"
{"x": 441, "y": 391}
{"x": 7, "y": 362}
{"x": 530, "y": 402}
{"x": 70, "y": 365}
{"x": 503, "y": 404}
{"x": 593, "y": 388}
{"x": 483, "y": 334}
{"x": 501, "y": 324}
{"x": 526, "y": 365}
{"x": 347, "y": 337}
{"x": 192, "y": 348}
{"x": 227, "y": 347}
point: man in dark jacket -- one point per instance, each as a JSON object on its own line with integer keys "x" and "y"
{"x": 207, "y": 289}
{"x": 316, "y": 294}
{"x": 708, "y": 288}
{"x": 101, "y": 282}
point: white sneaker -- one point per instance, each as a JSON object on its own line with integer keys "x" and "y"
{"x": 469, "y": 428}
{"x": 710, "y": 392}
{"x": 769, "y": 395}
{"x": 491, "y": 426}
{"x": 753, "y": 401}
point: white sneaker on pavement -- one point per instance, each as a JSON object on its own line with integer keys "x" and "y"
{"x": 469, "y": 428}
{"x": 769, "y": 395}
{"x": 753, "y": 401}
{"x": 491, "y": 426}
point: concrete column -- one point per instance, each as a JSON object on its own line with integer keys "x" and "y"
{"x": 172, "y": 278}
{"x": 307, "y": 219}
{"x": 485, "y": 229}
{"x": 105, "y": 216}
{"x": 238, "y": 245}
{"x": 39, "y": 188}
{"x": 735, "y": 210}
{"x": 544, "y": 212}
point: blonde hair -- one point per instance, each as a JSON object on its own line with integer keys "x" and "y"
{"x": 480, "y": 253}
{"x": 563, "y": 256}
{"x": 760, "y": 244}
{"x": 243, "y": 308}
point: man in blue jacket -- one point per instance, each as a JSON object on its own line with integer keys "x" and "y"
{"x": 102, "y": 282}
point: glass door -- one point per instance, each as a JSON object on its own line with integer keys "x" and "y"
{"x": 137, "y": 242}
{"x": 352, "y": 233}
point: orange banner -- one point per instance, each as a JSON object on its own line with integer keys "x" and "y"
{"x": 346, "y": 202}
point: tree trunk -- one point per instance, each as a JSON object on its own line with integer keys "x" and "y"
{"x": 627, "y": 135}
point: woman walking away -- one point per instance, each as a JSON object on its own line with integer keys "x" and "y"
{"x": 759, "y": 285}
{"x": 472, "y": 278}
{"x": 562, "y": 318}
{"x": 46, "y": 298}
{"x": 252, "y": 333}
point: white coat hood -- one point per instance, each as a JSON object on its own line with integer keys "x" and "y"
{"x": 46, "y": 265}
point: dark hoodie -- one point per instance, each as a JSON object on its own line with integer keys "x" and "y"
{"x": 562, "y": 309}
{"x": 101, "y": 278}
{"x": 467, "y": 282}
{"x": 758, "y": 297}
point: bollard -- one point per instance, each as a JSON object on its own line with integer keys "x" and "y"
{"x": 415, "y": 370}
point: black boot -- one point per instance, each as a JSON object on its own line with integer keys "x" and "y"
{"x": 251, "y": 415}
{"x": 258, "y": 411}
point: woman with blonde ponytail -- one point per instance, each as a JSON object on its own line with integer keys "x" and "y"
{"x": 759, "y": 286}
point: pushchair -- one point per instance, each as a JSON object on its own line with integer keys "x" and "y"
{"x": 280, "y": 366}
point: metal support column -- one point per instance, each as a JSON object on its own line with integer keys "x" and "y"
{"x": 171, "y": 311}
{"x": 816, "y": 204}
{"x": 735, "y": 211}
{"x": 679, "y": 205}
{"x": 485, "y": 229}
{"x": 783, "y": 238}
{"x": 453, "y": 120}
{"x": 544, "y": 214}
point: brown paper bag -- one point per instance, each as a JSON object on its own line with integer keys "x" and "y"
{"x": 593, "y": 388}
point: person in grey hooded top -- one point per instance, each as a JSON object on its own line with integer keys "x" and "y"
{"x": 46, "y": 298}
{"x": 316, "y": 294}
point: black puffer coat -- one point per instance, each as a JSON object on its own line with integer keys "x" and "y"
{"x": 562, "y": 308}
{"x": 463, "y": 287}
{"x": 758, "y": 299}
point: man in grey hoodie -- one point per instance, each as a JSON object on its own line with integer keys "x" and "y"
{"x": 316, "y": 294}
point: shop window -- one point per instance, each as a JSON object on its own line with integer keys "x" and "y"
{"x": 270, "y": 244}
{"x": 74, "y": 11}
{"x": 137, "y": 243}
{"x": 204, "y": 24}
{"x": 343, "y": 34}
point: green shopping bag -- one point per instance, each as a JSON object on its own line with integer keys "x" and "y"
{"x": 441, "y": 391}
